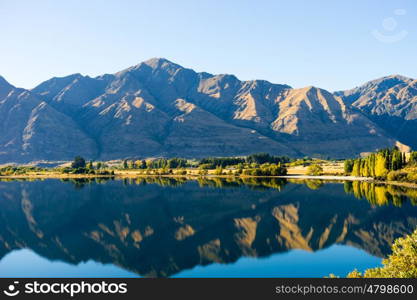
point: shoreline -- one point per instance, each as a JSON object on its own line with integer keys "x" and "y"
{"x": 194, "y": 176}
{"x": 327, "y": 177}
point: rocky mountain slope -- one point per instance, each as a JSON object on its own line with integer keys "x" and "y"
{"x": 390, "y": 102}
{"x": 158, "y": 108}
{"x": 30, "y": 128}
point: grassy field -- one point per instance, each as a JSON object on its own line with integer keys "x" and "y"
{"x": 329, "y": 168}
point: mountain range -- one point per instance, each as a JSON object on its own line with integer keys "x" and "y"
{"x": 160, "y": 109}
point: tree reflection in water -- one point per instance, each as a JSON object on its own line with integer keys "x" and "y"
{"x": 158, "y": 226}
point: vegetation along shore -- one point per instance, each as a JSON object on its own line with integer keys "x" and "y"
{"x": 384, "y": 166}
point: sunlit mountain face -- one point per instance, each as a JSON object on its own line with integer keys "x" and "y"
{"x": 159, "y": 108}
{"x": 159, "y": 227}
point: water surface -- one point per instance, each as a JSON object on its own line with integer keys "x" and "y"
{"x": 160, "y": 227}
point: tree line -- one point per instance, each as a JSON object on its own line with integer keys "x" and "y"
{"x": 204, "y": 163}
{"x": 159, "y": 163}
{"x": 258, "y": 164}
{"x": 80, "y": 166}
{"x": 379, "y": 164}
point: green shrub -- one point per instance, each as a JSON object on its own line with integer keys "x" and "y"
{"x": 181, "y": 172}
{"x": 67, "y": 170}
{"x": 412, "y": 177}
{"x": 79, "y": 171}
{"x": 315, "y": 170}
{"x": 218, "y": 171}
{"x": 257, "y": 172}
{"x": 247, "y": 172}
{"x": 397, "y": 176}
{"x": 266, "y": 170}
{"x": 202, "y": 172}
{"x": 206, "y": 166}
{"x": 348, "y": 166}
{"x": 402, "y": 263}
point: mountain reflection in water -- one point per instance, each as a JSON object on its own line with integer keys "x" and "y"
{"x": 158, "y": 227}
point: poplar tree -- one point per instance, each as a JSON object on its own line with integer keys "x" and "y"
{"x": 380, "y": 165}
{"x": 356, "y": 171}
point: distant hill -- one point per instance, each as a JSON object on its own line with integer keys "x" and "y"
{"x": 158, "y": 108}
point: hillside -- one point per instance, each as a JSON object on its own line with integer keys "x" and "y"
{"x": 158, "y": 108}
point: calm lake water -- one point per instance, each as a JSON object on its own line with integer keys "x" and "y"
{"x": 160, "y": 227}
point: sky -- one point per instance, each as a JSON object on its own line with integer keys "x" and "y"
{"x": 334, "y": 45}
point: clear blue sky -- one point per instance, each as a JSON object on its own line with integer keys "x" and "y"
{"x": 329, "y": 44}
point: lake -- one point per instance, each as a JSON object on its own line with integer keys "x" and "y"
{"x": 210, "y": 227}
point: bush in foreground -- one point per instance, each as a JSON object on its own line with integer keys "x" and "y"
{"x": 402, "y": 263}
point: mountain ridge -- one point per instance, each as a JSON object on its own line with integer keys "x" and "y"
{"x": 159, "y": 108}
